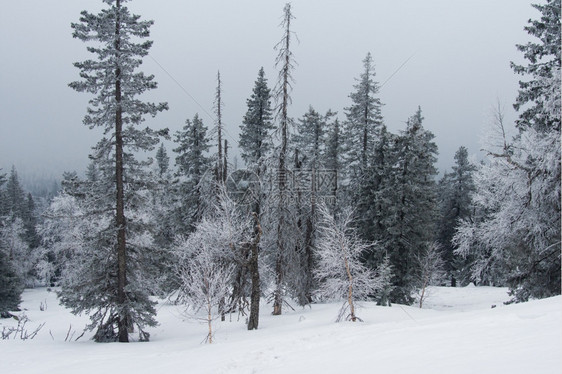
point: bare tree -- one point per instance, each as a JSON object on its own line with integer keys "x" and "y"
{"x": 286, "y": 62}
{"x": 210, "y": 259}
{"x": 340, "y": 272}
{"x": 431, "y": 270}
{"x": 205, "y": 283}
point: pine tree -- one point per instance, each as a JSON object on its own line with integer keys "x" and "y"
{"x": 192, "y": 164}
{"x": 455, "y": 203}
{"x": 162, "y": 161}
{"x": 309, "y": 143}
{"x": 114, "y": 80}
{"x": 519, "y": 188}
{"x": 20, "y": 205}
{"x": 257, "y": 126}
{"x": 333, "y": 154}
{"x": 411, "y": 219}
{"x": 163, "y": 208}
{"x": 372, "y": 200}
{"x": 333, "y": 160}
{"x": 309, "y": 139}
{"x": 15, "y": 195}
{"x": 13, "y": 243}
{"x": 361, "y": 131}
{"x": 542, "y": 91}
{"x": 364, "y": 119}
{"x": 87, "y": 241}
{"x": 11, "y": 286}
{"x": 256, "y": 145}
{"x": 3, "y": 199}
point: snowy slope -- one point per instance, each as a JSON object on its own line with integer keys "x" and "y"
{"x": 456, "y": 332}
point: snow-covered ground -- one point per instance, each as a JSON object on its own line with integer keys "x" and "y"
{"x": 457, "y": 332}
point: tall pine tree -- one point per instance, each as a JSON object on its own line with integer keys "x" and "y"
{"x": 113, "y": 77}
{"x": 364, "y": 118}
{"x": 410, "y": 222}
{"x": 193, "y": 164}
{"x": 256, "y": 145}
{"x": 455, "y": 203}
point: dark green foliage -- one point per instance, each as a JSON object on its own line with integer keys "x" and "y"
{"x": 537, "y": 100}
{"x": 11, "y": 286}
{"x": 89, "y": 259}
{"x": 256, "y": 130}
{"x": 405, "y": 197}
{"x": 518, "y": 189}
{"x": 193, "y": 165}
{"x": 455, "y": 201}
{"x": 364, "y": 119}
{"x": 110, "y": 276}
{"x": 162, "y": 160}
{"x": 18, "y": 204}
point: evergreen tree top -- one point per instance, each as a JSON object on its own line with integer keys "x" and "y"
{"x": 542, "y": 91}
{"x": 118, "y": 53}
{"x": 257, "y": 125}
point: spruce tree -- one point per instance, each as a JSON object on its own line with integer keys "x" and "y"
{"x": 375, "y": 201}
{"x": 162, "y": 161}
{"x": 193, "y": 165}
{"x": 256, "y": 145}
{"x": 3, "y": 198}
{"x": 11, "y": 286}
{"x": 20, "y": 205}
{"x": 333, "y": 154}
{"x": 364, "y": 119}
{"x": 519, "y": 186}
{"x": 15, "y": 195}
{"x": 257, "y": 126}
{"x": 539, "y": 97}
{"x": 410, "y": 223}
{"x": 361, "y": 131}
{"x": 309, "y": 142}
{"x": 455, "y": 189}
{"x": 309, "y": 139}
{"x": 333, "y": 157}
{"x": 113, "y": 77}
{"x": 163, "y": 206}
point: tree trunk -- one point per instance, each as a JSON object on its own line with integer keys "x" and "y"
{"x": 123, "y": 321}
{"x": 253, "y": 320}
{"x": 220, "y": 168}
{"x": 278, "y": 293}
{"x": 350, "y": 291}
{"x": 422, "y": 296}
{"x": 210, "y": 321}
{"x": 279, "y": 261}
{"x": 281, "y": 248}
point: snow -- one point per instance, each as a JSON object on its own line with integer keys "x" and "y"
{"x": 457, "y": 332}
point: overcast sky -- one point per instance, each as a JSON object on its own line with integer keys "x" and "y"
{"x": 460, "y": 66}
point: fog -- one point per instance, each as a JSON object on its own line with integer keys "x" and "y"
{"x": 449, "y": 57}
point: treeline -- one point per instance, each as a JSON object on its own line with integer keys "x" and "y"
{"x": 326, "y": 207}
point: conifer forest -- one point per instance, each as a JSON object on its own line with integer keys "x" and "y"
{"x": 302, "y": 210}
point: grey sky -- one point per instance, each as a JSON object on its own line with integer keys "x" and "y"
{"x": 460, "y": 66}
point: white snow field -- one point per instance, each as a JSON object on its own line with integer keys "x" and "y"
{"x": 457, "y": 332}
